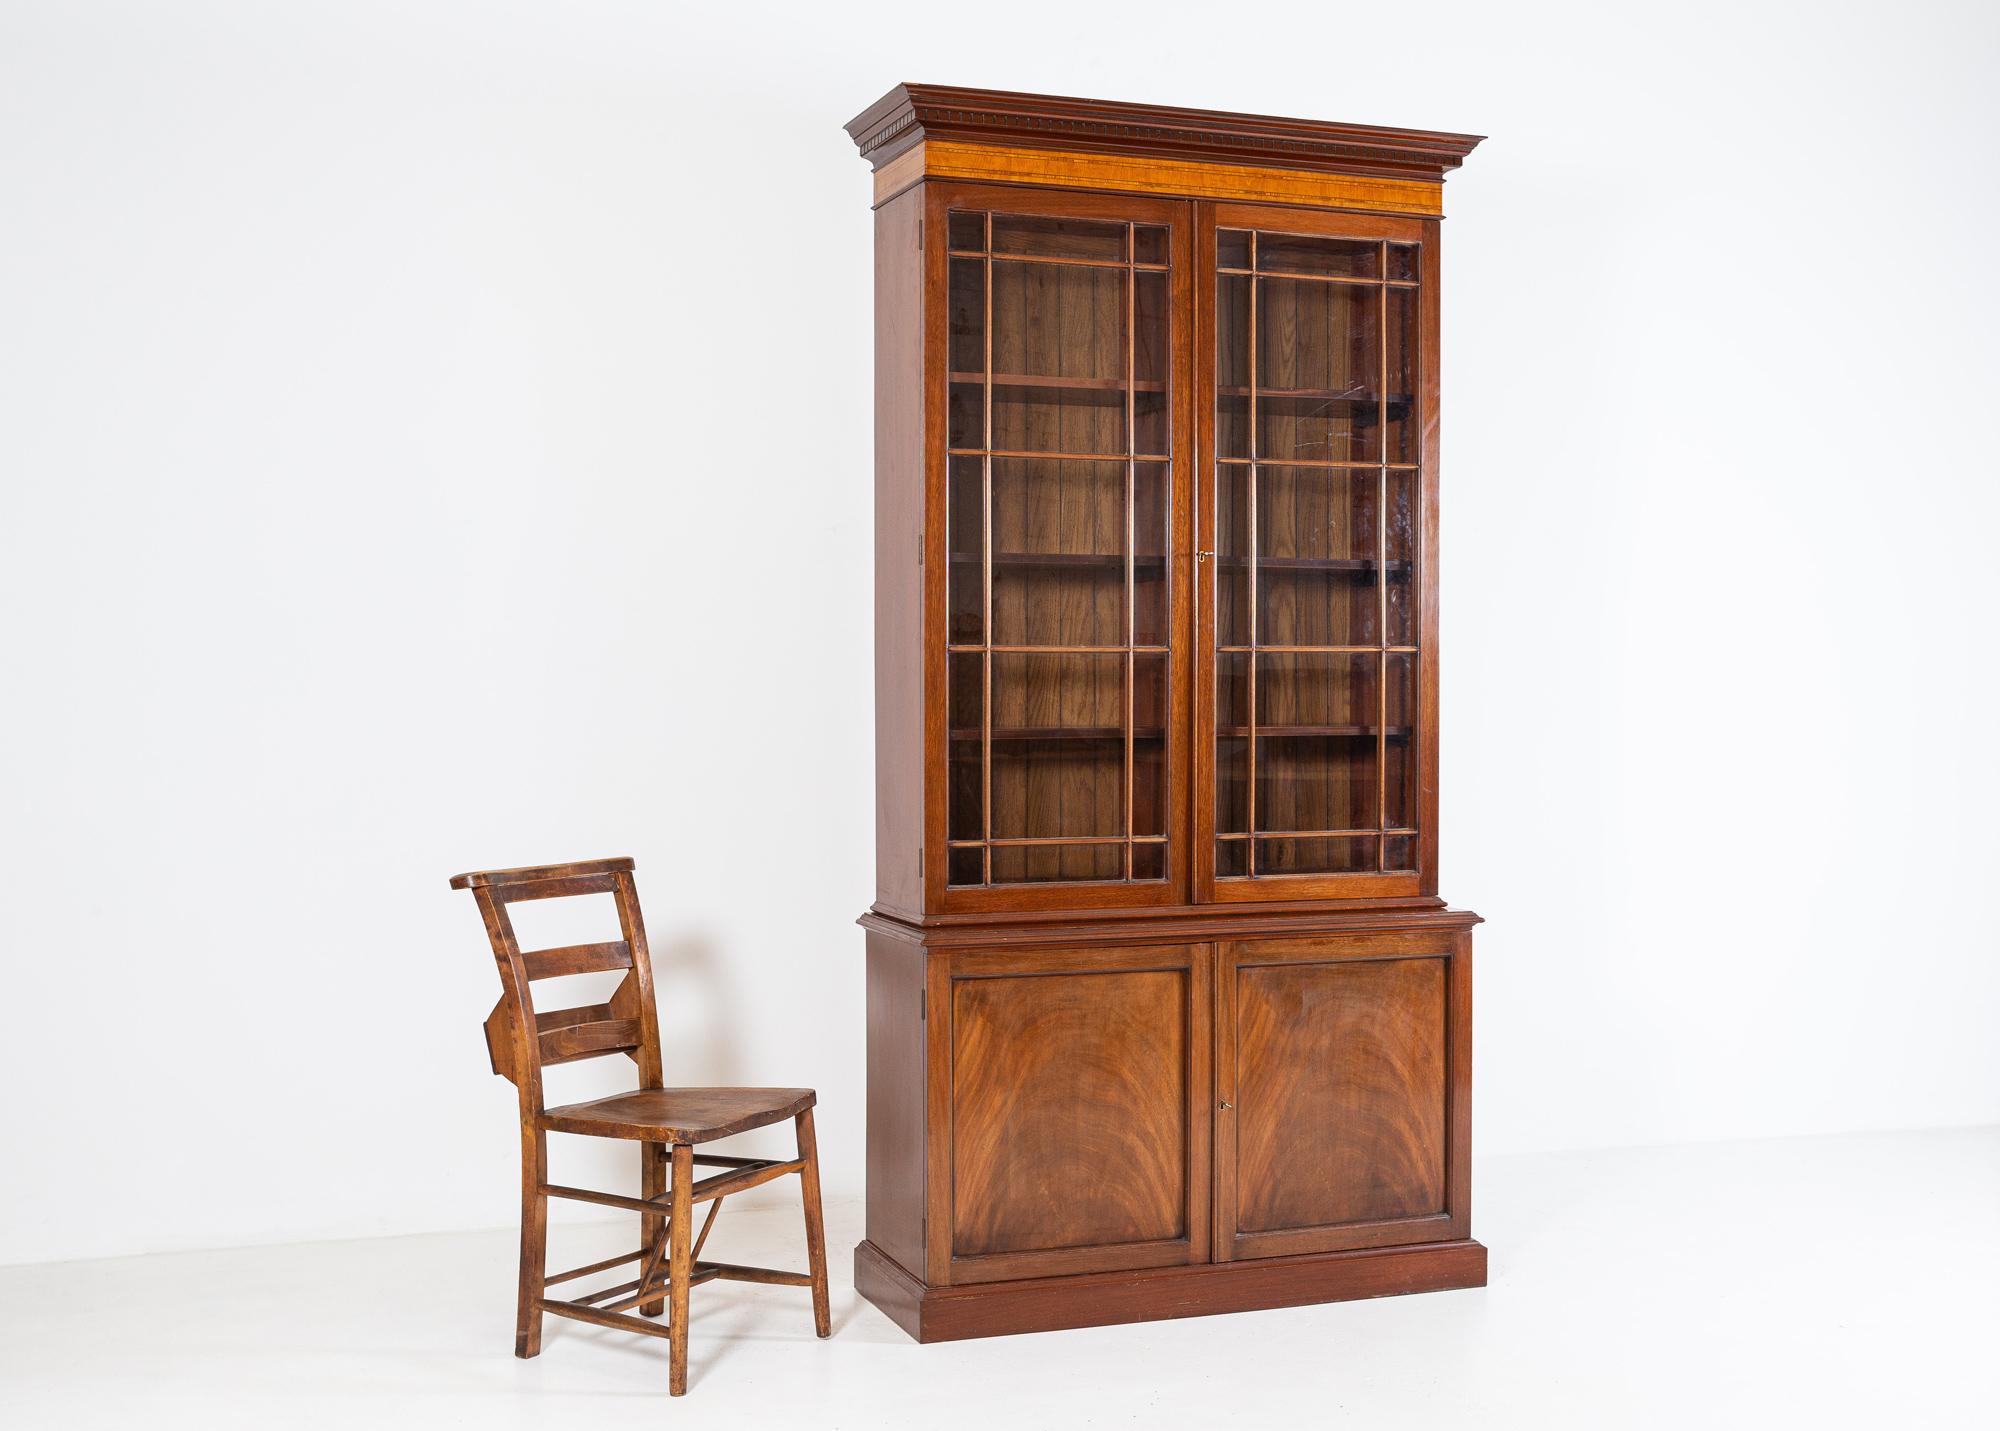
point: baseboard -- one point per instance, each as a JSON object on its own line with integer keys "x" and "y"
{"x": 1096, "y": 1299}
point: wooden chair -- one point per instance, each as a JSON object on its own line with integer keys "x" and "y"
{"x": 667, "y": 1123}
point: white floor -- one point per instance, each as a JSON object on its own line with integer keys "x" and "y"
{"x": 1828, "y": 1281}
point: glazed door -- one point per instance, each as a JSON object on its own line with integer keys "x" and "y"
{"x": 1342, "y": 1070}
{"x": 1315, "y": 744}
{"x": 1073, "y": 1090}
{"x": 1059, "y": 634}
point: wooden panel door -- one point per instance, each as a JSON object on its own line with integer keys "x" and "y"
{"x": 1315, "y": 742}
{"x": 1342, "y": 1071}
{"x": 1076, "y": 1085}
{"x": 1057, "y": 679}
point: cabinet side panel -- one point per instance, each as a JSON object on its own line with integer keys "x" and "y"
{"x": 896, "y": 1100}
{"x": 899, "y": 519}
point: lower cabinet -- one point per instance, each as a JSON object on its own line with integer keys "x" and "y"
{"x": 1078, "y": 1109}
{"x": 1063, "y": 1111}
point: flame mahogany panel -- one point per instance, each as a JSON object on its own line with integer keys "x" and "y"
{"x": 1340, "y": 1092}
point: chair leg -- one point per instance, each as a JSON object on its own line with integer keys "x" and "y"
{"x": 534, "y": 1241}
{"x": 815, "y": 1228}
{"x": 652, "y": 1182}
{"x": 682, "y": 1267}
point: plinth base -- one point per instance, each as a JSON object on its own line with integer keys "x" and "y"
{"x": 1097, "y": 1299}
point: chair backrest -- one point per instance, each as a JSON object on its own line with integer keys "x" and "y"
{"x": 521, "y": 1040}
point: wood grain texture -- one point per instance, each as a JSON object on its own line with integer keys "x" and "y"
{"x": 602, "y": 958}
{"x": 900, "y": 598}
{"x": 538, "y": 874}
{"x": 895, "y": 1054}
{"x": 1339, "y": 1092}
{"x": 1069, "y": 1110}
{"x": 808, "y": 1146}
{"x": 1429, "y": 389}
{"x": 679, "y": 1115}
{"x": 1173, "y": 924}
{"x": 918, "y": 114}
{"x": 665, "y": 1122}
{"x": 938, "y": 1314}
{"x": 1103, "y": 173}
{"x": 1098, "y": 1094}
{"x": 1065, "y": 323}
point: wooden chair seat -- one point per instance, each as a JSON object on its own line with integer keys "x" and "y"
{"x": 679, "y": 1115}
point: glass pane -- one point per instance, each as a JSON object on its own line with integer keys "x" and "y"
{"x": 1058, "y": 358}
{"x": 1149, "y": 861}
{"x": 1232, "y": 859}
{"x": 1149, "y": 745}
{"x": 1298, "y": 253}
{"x": 1340, "y": 855}
{"x": 966, "y": 323}
{"x": 1316, "y": 568}
{"x": 1232, "y": 555}
{"x": 966, "y": 816}
{"x": 1232, "y": 248}
{"x": 1058, "y": 745}
{"x": 1035, "y": 864}
{"x": 1149, "y": 244}
{"x": 965, "y": 522}
{"x": 1152, "y": 532}
{"x": 1399, "y": 790}
{"x": 1058, "y": 552}
{"x": 967, "y": 867}
{"x": 1318, "y": 370}
{"x": 1152, "y": 364}
{"x": 1400, "y": 557}
{"x": 1058, "y": 238}
{"x": 967, "y": 231}
{"x": 1315, "y": 748}
{"x": 1232, "y": 367}
{"x": 1403, "y": 262}
{"x": 1399, "y": 852}
{"x": 1232, "y": 745}
{"x": 1399, "y": 436}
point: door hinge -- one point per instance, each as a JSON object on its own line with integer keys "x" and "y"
{"x": 920, "y": 235}
{"x": 920, "y": 864}
{"x": 923, "y": 1004}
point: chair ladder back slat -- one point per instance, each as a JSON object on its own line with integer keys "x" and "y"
{"x": 521, "y": 1041}
{"x": 566, "y": 1045}
{"x": 559, "y": 888}
{"x": 549, "y": 1019}
{"x": 577, "y": 959}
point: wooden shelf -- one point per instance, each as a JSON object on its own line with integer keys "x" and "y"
{"x": 1342, "y": 564}
{"x": 1340, "y": 395}
{"x": 1085, "y": 385}
{"x": 1061, "y": 561}
{"x": 1356, "y": 732}
{"x": 1059, "y": 733}
{"x": 1112, "y": 732}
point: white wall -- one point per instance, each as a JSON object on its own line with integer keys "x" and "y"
{"x": 437, "y": 436}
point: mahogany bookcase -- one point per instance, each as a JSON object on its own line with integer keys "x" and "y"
{"x": 1165, "y": 1015}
